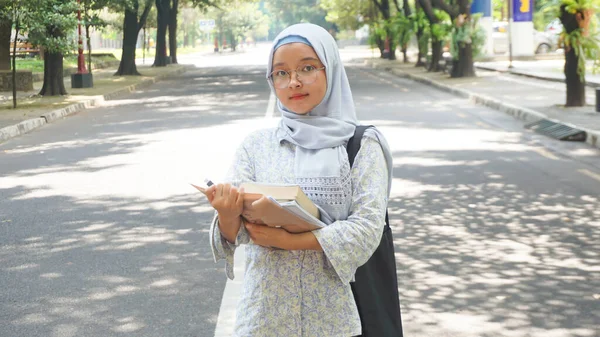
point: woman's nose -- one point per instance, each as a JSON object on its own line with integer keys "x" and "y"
{"x": 294, "y": 81}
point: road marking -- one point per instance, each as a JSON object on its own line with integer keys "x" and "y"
{"x": 545, "y": 153}
{"x": 482, "y": 124}
{"x": 231, "y": 295}
{"x": 590, "y": 174}
{"x": 461, "y": 115}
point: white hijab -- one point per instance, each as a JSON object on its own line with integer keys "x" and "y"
{"x": 321, "y": 135}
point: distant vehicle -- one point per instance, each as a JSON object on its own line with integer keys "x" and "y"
{"x": 554, "y": 27}
{"x": 543, "y": 42}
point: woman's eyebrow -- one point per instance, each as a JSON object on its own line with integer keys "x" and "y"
{"x": 310, "y": 58}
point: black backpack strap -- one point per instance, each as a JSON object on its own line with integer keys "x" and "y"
{"x": 354, "y": 142}
{"x": 353, "y": 147}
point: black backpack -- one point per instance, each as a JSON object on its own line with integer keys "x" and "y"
{"x": 376, "y": 284}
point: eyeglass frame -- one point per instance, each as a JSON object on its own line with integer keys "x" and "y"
{"x": 297, "y": 76}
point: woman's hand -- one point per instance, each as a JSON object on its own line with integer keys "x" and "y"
{"x": 227, "y": 200}
{"x": 229, "y": 203}
{"x": 266, "y": 236}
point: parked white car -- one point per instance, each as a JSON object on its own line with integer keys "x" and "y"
{"x": 544, "y": 42}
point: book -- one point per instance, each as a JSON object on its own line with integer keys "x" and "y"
{"x": 284, "y": 206}
{"x": 281, "y": 193}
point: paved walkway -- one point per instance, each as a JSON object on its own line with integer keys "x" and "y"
{"x": 551, "y": 70}
{"x": 529, "y": 99}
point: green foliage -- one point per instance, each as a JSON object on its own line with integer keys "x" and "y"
{"x": 420, "y": 22}
{"x": 402, "y": 27}
{"x": 586, "y": 48}
{"x": 470, "y": 32}
{"x": 441, "y": 31}
{"x": 287, "y": 12}
{"x": 347, "y": 14}
{"x": 50, "y": 23}
{"x": 240, "y": 21}
{"x": 574, "y": 6}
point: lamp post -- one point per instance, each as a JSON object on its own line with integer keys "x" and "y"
{"x": 510, "y": 22}
{"x": 81, "y": 79}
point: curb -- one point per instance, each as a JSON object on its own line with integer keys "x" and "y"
{"x": 29, "y": 125}
{"x": 524, "y": 114}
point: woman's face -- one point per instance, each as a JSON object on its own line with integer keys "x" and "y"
{"x": 298, "y": 96}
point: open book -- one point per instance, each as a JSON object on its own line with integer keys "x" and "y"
{"x": 284, "y": 206}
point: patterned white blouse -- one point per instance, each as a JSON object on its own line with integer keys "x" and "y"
{"x": 307, "y": 293}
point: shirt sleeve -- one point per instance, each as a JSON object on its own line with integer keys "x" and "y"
{"x": 240, "y": 171}
{"x": 348, "y": 244}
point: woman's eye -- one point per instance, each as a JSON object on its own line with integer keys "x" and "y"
{"x": 308, "y": 68}
{"x": 280, "y": 73}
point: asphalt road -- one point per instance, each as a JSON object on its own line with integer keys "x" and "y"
{"x": 497, "y": 229}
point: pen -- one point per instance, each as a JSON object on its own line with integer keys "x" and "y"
{"x": 208, "y": 182}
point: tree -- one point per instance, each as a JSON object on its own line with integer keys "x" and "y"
{"x": 347, "y": 14}
{"x": 286, "y": 12}
{"x": 241, "y": 20}
{"x": 92, "y": 19}
{"x": 388, "y": 34}
{"x": 464, "y": 28}
{"x": 403, "y": 26}
{"x": 438, "y": 31}
{"x": 421, "y": 28}
{"x": 49, "y": 23}
{"x": 5, "y": 30}
{"x": 133, "y": 22}
{"x": 163, "y": 7}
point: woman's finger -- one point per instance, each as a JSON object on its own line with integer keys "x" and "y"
{"x": 226, "y": 190}
{"x": 210, "y": 193}
{"x": 240, "y": 198}
{"x": 219, "y": 190}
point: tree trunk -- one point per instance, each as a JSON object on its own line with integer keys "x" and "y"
{"x": 407, "y": 14}
{"x": 89, "y": 48}
{"x": 14, "y": 64}
{"x": 422, "y": 53}
{"x": 5, "y": 29}
{"x": 162, "y": 19}
{"x": 575, "y": 84}
{"x": 463, "y": 67}
{"x": 54, "y": 84}
{"x": 392, "y": 46}
{"x": 436, "y": 56}
{"x": 173, "y": 31}
{"x": 130, "y": 32}
{"x": 380, "y": 45}
{"x": 420, "y": 31}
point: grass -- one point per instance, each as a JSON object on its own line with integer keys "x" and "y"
{"x": 36, "y": 65}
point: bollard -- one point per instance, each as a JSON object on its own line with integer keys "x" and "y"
{"x": 597, "y": 99}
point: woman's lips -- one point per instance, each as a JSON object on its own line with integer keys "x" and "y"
{"x": 298, "y": 97}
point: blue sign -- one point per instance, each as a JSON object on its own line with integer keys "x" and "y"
{"x": 482, "y": 6}
{"x": 522, "y": 10}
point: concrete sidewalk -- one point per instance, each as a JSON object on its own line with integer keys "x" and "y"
{"x": 525, "y": 98}
{"x": 550, "y": 70}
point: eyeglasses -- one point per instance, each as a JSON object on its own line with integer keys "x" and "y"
{"x": 307, "y": 74}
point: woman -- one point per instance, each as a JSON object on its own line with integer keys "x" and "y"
{"x": 303, "y": 288}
